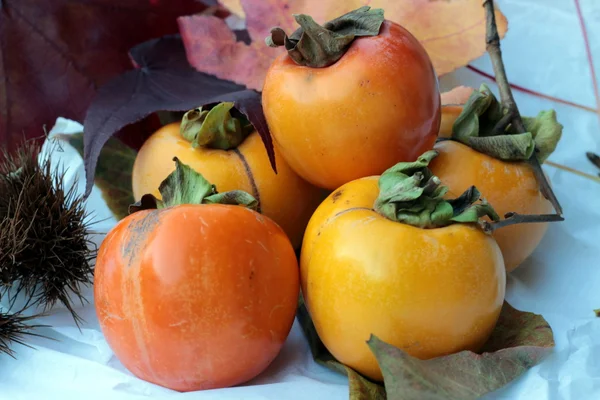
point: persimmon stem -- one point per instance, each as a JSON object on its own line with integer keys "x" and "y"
{"x": 502, "y": 124}
{"x": 492, "y": 41}
{"x": 514, "y": 218}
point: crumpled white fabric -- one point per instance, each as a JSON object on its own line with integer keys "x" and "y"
{"x": 543, "y": 51}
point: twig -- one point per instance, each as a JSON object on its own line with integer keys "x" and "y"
{"x": 492, "y": 41}
{"x": 573, "y": 171}
{"x": 514, "y": 218}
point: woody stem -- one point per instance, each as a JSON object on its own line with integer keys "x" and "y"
{"x": 492, "y": 41}
{"x": 514, "y": 218}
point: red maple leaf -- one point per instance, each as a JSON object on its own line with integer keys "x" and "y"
{"x": 55, "y": 54}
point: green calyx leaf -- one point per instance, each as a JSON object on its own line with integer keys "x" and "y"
{"x": 319, "y": 46}
{"x": 411, "y": 194}
{"x": 186, "y": 186}
{"x": 480, "y": 127}
{"x": 546, "y": 132}
{"x": 215, "y": 128}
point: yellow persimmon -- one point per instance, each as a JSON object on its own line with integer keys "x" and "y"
{"x": 494, "y": 158}
{"x": 283, "y": 196}
{"x": 509, "y": 186}
{"x": 400, "y": 270}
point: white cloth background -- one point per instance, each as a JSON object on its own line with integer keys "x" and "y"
{"x": 544, "y": 51}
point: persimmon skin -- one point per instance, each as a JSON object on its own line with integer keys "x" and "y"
{"x": 430, "y": 292}
{"x": 196, "y": 297}
{"x": 376, "y": 106}
{"x": 284, "y": 196}
{"x": 507, "y": 186}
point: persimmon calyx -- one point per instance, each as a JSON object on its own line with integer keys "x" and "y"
{"x": 411, "y": 194}
{"x": 186, "y": 186}
{"x": 215, "y": 128}
{"x": 484, "y": 125}
{"x": 317, "y": 46}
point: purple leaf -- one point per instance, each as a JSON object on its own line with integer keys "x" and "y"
{"x": 162, "y": 81}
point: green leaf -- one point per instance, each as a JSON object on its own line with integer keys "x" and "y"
{"x": 465, "y": 210}
{"x": 409, "y": 193}
{"x": 480, "y": 113}
{"x": 319, "y": 46}
{"x": 520, "y": 341}
{"x": 113, "y": 172}
{"x": 475, "y": 127}
{"x": 233, "y": 197}
{"x": 360, "y": 387}
{"x": 215, "y": 128}
{"x": 546, "y": 131}
{"x": 187, "y": 186}
{"x": 184, "y": 186}
{"x": 505, "y": 147}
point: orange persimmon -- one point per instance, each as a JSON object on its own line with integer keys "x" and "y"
{"x": 196, "y": 296}
{"x": 396, "y": 260}
{"x": 340, "y": 116}
{"x": 243, "y": 165}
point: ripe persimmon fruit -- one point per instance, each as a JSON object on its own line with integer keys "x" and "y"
{"x": 228, "y": 152}
{"x": 200, "y": 293}
{"x": 509, "y": 186}
{"x": 366, "y": 99}
{"x": 389, "y": 256}
{"x": 497, "y": 165}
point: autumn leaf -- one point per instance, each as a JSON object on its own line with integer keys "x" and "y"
{"x": 456, "y": 96}
{"x": 520, "y": 341}
{"x": 234, "y": 6}
{"x": 55, "y": 54}
{"x": 163, "y": 81}
{"x": 452, "y": 32}
{"x": 113, "y": 173}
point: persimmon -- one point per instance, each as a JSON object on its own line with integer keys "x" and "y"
{"x": 342, "y": 105}
{"x": 199, "y": 293}
{"x": 497, "y": 165}
{"x": 228, "y": 151}
{"x": 390, "y": 256}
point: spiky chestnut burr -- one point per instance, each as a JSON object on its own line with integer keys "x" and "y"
{"x": 45, "y": 252}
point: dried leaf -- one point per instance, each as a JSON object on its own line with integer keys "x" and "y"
{"x": 55, "y": 54}
{"x": 520, "y": 341}
{"x": 113, "y": 173}
{"x": 451, "y": 31}
{"x": 361, "y": 388}
{"x": 164, "y": 81}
